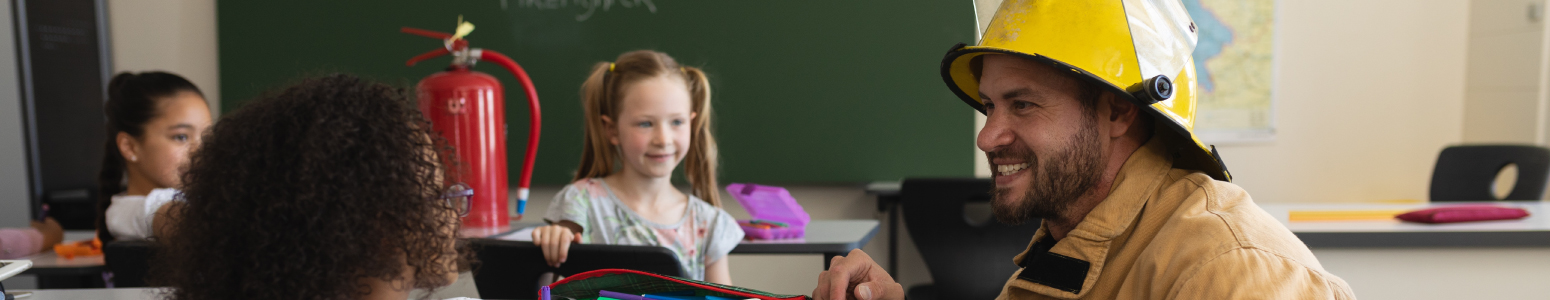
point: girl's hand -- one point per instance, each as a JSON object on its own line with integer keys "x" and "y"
{"x": 555, "y": 241}
{"x": 53, "y": 234}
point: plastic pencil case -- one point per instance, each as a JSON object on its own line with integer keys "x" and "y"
{"x": 755, "y": 232}
{"x": 587, "y": 285}
{"x": 770, "y": 203}
{"x": 1455, "y": 214}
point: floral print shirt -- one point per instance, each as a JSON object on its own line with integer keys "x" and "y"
{"x": 705, "y": 233}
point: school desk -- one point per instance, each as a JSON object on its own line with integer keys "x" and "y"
{"x": 1388, "y": 259}
{"x": 100, "y": 294}
{"x": 1379, "y": 232}
{"x": 828, "y": 237}
{"x": 54, "y": 271}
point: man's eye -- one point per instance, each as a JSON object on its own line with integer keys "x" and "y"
{"x": 1021, "y": 105}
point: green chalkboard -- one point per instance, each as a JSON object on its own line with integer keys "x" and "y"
{"x": 805, "y": 91}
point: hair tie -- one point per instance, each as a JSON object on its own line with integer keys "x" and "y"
{"x": 610, "y": 67}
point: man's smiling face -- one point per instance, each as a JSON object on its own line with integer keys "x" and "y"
{"x": 1041, "y": 137}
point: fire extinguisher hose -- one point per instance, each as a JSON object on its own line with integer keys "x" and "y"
{"x": 533, "y": 128}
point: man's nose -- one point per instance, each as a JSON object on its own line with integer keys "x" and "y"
{"x": 997, "y": 133}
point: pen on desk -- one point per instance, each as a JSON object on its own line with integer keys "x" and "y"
{"x": 543, "y": 293}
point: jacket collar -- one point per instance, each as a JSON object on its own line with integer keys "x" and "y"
{"x": 1070, "y": 267}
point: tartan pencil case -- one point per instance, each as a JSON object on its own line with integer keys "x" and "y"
{"x": 588, "y": 285}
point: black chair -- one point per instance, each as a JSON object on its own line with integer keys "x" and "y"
{"x": 129, "y": 262}
{"x": 1467, "y": 173}
{"x": 966, "y": 260}
{"x": 510, "y": 269}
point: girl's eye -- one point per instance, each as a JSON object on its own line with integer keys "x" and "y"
{"x": 180, "y": 138}
{"x": 643, "y": 124}
{"x": 677, "y": 122}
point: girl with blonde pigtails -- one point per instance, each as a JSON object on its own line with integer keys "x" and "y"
{"x": 645, "y": 114}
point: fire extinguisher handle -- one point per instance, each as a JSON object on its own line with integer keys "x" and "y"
{"x": 450, "y": 43}
{"x": 427, "y": 55}
{"x": 533, "y": 129}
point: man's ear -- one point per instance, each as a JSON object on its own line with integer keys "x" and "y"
{"x": 1123, "y": 114}
{"x": 610, "y": 130}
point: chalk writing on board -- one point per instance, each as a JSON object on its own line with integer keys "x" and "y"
{"x": 591, "y": 6}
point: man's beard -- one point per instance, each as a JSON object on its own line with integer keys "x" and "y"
{"x": 1053, "y": 183}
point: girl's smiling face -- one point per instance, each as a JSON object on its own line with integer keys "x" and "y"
{"x": 652, "y": 130}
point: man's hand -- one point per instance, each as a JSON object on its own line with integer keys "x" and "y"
{"x": 856, "y": 276}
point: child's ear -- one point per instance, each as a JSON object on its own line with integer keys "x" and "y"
{"x": 610, "y": 130}
{"x": 128, "y": 147}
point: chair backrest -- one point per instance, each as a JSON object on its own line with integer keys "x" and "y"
{"x": 129, "y": 261}
{"x": 511, "y": 269}
{"x": 966, "y": 260}
{"x": 1467, "y": 173}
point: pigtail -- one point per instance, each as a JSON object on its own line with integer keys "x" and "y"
{"x": 700, "y": 162}
{"x": 597, "y": 156}
{"x": 110, "y": 178}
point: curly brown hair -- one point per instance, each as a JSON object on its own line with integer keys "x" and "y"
{"x": 306, "y": 192}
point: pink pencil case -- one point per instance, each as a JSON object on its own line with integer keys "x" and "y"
{"x": 1471, "y": 213}
{"x": 770, "y": 204}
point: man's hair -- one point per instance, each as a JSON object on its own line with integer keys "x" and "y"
{"x": 305, "y": 192}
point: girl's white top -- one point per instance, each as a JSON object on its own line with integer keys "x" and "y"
{"x": 129, "y": 217}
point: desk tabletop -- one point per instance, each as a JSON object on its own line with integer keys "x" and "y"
{"x": 823, "y": 236}
{"x": 1533, "y": 231}
{"x": 102, "y": 294}
{"x": 48, "y": 263}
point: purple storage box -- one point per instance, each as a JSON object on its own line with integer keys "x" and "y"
{"x": 770, "y": 203}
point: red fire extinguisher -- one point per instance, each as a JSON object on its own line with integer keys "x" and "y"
{"x": 468, "y": 109}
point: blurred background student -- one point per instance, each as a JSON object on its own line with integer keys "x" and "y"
{"x": 334, "y": 188}
{"x": 21, "y": 242}
{"x": 154, "y": 119}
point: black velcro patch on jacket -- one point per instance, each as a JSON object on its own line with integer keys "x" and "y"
{"x": 1052, "y": 269}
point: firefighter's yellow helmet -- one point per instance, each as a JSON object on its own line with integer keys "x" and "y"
{"x": 1137, "y": 49}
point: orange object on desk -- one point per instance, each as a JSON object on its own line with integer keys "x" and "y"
{"x": 1342, "y": 215}
{"x": 79, "y": 248}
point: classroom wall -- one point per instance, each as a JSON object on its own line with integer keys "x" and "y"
{"x": 176, "y": 36}
{"x": 14, "y": 200}
{"x": 1366, "y": 94}
{"x": 1502, "y": 101}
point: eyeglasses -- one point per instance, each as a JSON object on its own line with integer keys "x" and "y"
{"x": 457, "y": 196}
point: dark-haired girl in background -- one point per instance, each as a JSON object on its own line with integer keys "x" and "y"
{"x": 154, "y": 120}
{"x": 334, "y": 188}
